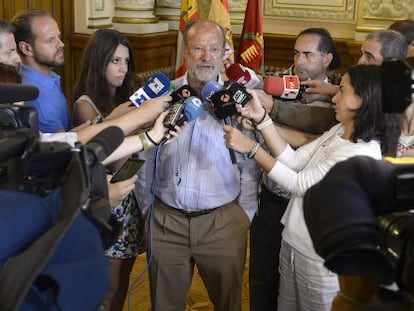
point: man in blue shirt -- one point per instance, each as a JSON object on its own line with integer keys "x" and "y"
{"x": 38, "y": 39}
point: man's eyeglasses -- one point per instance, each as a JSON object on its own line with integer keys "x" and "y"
{"x": 199, "y": 50}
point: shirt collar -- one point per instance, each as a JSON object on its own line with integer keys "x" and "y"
{"x": 40, "y": 78}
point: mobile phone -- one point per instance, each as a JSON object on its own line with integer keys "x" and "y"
{"x": 129, "y": 169}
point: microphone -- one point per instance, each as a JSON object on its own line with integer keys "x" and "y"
{"x": 177, "y": 106}
{"x": 103, "y": 144}
{"x": 223, "y": 102}
{"x": 243, "y": 75}
{"x": 157, "y": 85}
{"x": 184, "y": 110}
{"x": 209, "y": 89}
{"x": 284, "y": 87}
{"x": 13, "y": 92}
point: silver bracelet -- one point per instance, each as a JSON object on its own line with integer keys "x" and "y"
{"x": 264, "y": 124}
{"x": 253, "y": 152}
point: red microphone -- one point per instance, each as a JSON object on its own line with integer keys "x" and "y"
{"x": 242, "y": 75}
{"x": 286, "y": 87}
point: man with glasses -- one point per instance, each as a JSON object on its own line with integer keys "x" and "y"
{"x": 299, "y": 121}
{"x": 204, "y": 203}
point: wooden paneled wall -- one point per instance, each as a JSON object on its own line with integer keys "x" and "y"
{"x": 153, "y": 51}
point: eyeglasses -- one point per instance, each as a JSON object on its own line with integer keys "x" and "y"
{"x": 199, "y": 50}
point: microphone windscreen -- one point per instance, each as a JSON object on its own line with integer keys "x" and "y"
{"x": 183, "y": 92}
{"x": 209, "y": 89}
{"x": 273, "y": 85}
{"x": 106, "y": 141}
{"x": 238, "y": 73}
{"x": 13, "y": 92}
{"x": 193, "y": 107}
{"x": 157, "y": 85}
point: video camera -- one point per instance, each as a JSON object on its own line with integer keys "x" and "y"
{"x": 29, "y": 165}
{"x": 361, "y": 214}
{"x": 47, "y": 180}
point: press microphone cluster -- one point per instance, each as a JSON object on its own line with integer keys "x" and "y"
{"x": 243, "y": 76}
{"x": 284, "y": 87}
{"x": 185, "y": 106}
{"x": 224, "y": 98}
{"x": 223, "y": 102}
{"x": 157, "y": 85}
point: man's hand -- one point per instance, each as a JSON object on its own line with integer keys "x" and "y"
{"x": 320, "y": 87}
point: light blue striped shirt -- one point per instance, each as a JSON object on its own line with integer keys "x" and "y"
{"x": 195, "y": 171}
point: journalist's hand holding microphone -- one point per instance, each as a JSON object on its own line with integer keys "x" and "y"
{"x": 251, "y": 114}
{"x": 320, "y": 87}
{"x": 151, "y": 108}
{"x": 256, "y": 113}
{"x": 145, "y": 140}
{"x": 158, "y": 132}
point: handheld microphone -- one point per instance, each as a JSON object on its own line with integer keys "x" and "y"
{"x": 185, "y": 110}
{"x": 13, "y": 92}
{"x": 177, "y": 106}
{"x": 243, "y": 75}
{"x": 157, "y": 85}
{"x": 284, "y": 87}
{"x": 223, "y": 102}
{"x": 209, "y": 90}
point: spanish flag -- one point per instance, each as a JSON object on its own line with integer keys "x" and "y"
{"x": 189, "y": 11}
{"x": 251, "y": 48}
{"x": 219, "y": 12}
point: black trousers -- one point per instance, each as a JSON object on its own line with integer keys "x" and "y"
{"x": 265, "y": 239}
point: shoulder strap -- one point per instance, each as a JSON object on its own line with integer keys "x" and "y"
{"x": 20, "y": 271}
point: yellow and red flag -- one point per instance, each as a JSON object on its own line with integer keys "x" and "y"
{"x": 251, "y": 48}
{"x": 219, "y": 12}
{"x": 189, "y": 11}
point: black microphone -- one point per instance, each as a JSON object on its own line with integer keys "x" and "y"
{"x": 225, "y": 101}
{"x": 224, "y": 104}
{"x": 13, "y": 92}
{"x": 175, "y": 116}
{"x": 103, "y": 144}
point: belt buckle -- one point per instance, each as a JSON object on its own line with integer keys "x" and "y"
{"x": 197, "y": 213}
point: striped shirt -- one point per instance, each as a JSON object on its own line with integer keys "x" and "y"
{"x": 195, "y": 171}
